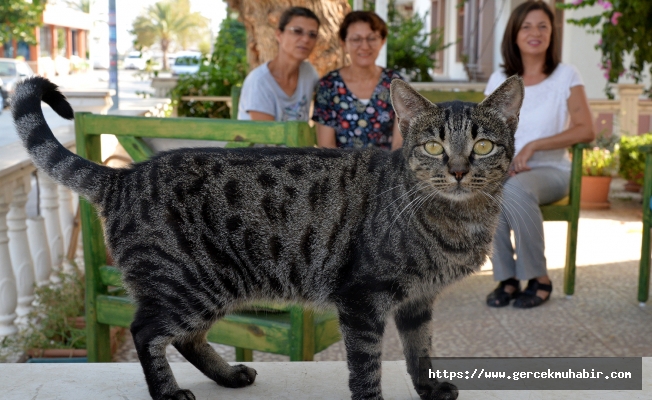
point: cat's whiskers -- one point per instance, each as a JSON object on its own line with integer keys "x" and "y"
{"x": 411, "y": 191}
{"x": 517, "y": 212}
{"x": 421, "y": 203}
{"x": 497, "y": 202}
{"x": 403, "y": 210}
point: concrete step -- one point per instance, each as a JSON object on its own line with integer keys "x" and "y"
{"x": 275, "y": 381}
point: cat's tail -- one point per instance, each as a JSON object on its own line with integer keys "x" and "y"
{"x": 66, "y": 168}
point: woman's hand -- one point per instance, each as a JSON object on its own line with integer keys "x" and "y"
{"x": 326, "y": 136}
{"x": 519, "y": 163}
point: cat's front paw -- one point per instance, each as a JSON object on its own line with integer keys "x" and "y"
{"x": 240, "y": 376}
{"x": 181, "y": 394}
{"x": 442, "y": 391}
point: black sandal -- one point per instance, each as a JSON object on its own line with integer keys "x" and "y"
{"x": 529, "y": 298}
{"x": 499, "y": 297}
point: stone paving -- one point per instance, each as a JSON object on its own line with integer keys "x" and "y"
{"x": 603, "y": 318}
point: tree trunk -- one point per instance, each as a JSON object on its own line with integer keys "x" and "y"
{"x": 164, "y": 48}
{"x": 260, "y": 18}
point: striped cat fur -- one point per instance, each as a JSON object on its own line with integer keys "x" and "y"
{"x": 200, "y": 232}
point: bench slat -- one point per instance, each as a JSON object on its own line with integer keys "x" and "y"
{"x": 187, "y": 128}
{"x": 258, "y": 331}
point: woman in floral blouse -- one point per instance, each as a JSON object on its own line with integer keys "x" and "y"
{"x": 352, "y": 105}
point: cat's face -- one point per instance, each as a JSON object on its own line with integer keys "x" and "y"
{"x": 458, "y": 149}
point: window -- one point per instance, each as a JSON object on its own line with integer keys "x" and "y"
{"x": 9, "y": 49}
{"x": 22, "y": 49}
{"x": 46, "y": 41}
{"x": 75, "y": 42}
{"x": 61, "y": 42}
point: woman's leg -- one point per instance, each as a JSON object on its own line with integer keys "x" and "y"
{"x": 523, "y": 195}
{"x": 504, "y": 265}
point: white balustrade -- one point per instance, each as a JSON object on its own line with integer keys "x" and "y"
{"x": 66, "y": 215}
{"x": 8, "y": 294}
{"x": 50, "y": 212}
{"x": 21, "y": 258}
{"x": 38, "y": 244}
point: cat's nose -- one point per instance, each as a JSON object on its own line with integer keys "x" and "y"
{"x": 459, "y": 174}
{"x": 458, "y": 169}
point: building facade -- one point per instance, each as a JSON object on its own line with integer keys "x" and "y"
{"x": 61, "y": 42}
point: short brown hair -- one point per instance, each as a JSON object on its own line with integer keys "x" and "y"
{"x": 512, "y": 55}
{"x": 375, "y": 23}
{"x": 292, "y": 12}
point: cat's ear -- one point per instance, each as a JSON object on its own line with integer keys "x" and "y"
{"x": 507, "y": 99}
{"x": 407, "y": 103}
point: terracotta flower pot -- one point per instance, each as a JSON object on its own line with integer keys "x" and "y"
{"x": 595, "y": 192}
{"x": 116, "y": 334}
{"x": 633, "y": 187}
{"x": 56, "y": 353}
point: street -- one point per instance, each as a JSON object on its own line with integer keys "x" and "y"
{"x": 129, "y": 83}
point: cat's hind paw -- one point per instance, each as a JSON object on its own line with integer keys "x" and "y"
{"x": 443, "y": 391}
{"x": 181, "y": 394}
{"x": 240, "y": 376}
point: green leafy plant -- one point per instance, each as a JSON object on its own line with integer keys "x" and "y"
{"x": 409, "y": 49}
{"x": 226, "y": 68}
{"x": 18, "y": 18}
{"x": 625, "y": 30}
{"x": 598, "y": 162}
{"x": 632, "y": 161}
{"x": 52, "y": 321}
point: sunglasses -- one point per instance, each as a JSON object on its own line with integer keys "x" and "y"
{"x": 300, "y": 32}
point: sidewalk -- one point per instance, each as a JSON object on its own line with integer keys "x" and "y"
{"x": 602, "y": 319}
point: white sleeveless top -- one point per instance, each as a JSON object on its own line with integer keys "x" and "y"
{"x": 544, "y": 113}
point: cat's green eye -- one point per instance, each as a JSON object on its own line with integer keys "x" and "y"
{"x": 483, "y": 147}
{"x": 434, "y": 148}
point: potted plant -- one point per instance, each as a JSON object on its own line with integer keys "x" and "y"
{"x": 632, "y": 161}
{"x": 598, "y": 166}
{"x": 56, "y": 327}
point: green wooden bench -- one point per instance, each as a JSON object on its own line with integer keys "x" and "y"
{"x": 644, "y": 264}
{"x": 290, "y": 330}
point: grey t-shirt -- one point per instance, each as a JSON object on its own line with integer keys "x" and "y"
{"x": 260, "y": 92}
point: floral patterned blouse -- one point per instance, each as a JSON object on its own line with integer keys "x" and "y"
{"x": 356, "y": 124}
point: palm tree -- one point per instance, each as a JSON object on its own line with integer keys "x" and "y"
{"x": 167, "y": 21}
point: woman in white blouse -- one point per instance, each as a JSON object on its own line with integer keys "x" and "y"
{"x": 540, "y": 171}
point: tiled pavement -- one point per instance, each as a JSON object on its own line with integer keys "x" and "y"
{"x": 603, "y": 318}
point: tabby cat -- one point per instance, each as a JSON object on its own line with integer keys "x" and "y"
{"x": 199, "y": 232}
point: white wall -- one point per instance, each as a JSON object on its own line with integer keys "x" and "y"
{"x": 578, "y": 49}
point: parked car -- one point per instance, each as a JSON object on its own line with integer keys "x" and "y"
{"x": 135, "y": 60}
{"x": 11, "y": 72}
{"x": 187, "y": 63}
{"x": 101, "y": 61}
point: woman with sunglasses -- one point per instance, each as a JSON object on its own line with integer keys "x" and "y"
{"x": 352, "y": 105}
{"x": 282, "y": 89}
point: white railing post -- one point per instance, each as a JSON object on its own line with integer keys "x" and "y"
{"x": 21, "y": 258}
{"x": 66, "y": 215}
{"x": 8, "y": 294}
{"x": 38, "y": 244}
{"x": 50, "y": 211}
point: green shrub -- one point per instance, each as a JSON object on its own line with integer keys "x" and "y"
{"x": 409, "y": 49}
{"x": 226, "y": 68}
{"x": 632, "y": 161}
{"x": 598, "y": 162}
{"x": 51, "y": 323}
